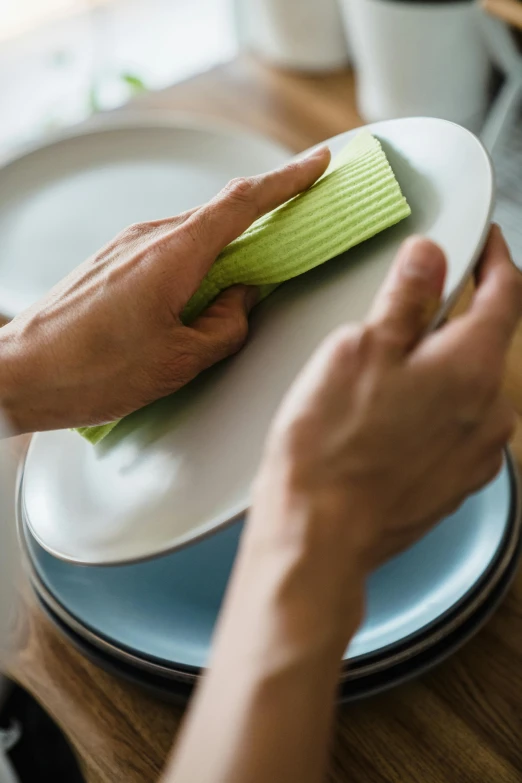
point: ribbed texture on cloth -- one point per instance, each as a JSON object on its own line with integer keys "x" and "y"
{"x": 356, "y": 198}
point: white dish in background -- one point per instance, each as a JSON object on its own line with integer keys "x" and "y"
{"x": 183, "y": 468}
{"x": 62, "y": 201}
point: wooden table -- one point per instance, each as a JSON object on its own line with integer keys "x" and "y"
{"x": 461, "y": 723}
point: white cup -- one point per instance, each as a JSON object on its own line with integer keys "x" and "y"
{"x": 305, "y": 35}
{"x": 418, "y": 58}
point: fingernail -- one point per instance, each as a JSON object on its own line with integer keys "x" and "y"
{"x": 319, "y": 152}
{"x": 252, "y": 294}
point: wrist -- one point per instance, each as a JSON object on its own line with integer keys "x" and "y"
{"x": 13, "y": 368}
{"x": 316, "y": 516}
{"x": 30, "y": 393}
{"x": 275, "y": 620}
{"x": 305, "y": 539}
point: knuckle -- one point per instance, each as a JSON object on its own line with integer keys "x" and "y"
{"x": 388, "y": 338}
{"x": 348, "y": 343}
{"x": 372, "y": 343}
{"x": 235, "y": 332}
{"x": 135, "y": 231}
{"x": 241, "y": 191}
{"x": 292, "y": 169}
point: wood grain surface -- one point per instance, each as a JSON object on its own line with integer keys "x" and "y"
{"x": 462, "y": 723}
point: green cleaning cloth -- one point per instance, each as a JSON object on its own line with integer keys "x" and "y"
{"x": 356, "y": 198}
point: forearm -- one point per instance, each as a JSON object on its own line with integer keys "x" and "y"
{"x": 264, "y": 710}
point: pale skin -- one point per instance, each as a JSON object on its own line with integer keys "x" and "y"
{"x": 385, "y": 431}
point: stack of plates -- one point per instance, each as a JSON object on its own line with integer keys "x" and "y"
{"x": 151, "y": 622}
{"x": 130, "y": 544}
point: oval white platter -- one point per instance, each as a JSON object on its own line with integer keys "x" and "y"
{"x": 182, "y": 468}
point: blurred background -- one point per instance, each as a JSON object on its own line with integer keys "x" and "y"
{"x": 63, "y": 60}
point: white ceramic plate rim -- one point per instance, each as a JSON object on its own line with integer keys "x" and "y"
{"x": 131, "y": 120}
{"x": 414, "y": 670}
{"x": 378, "y": 659}
{"x": 354, "y": 668}
{"x": 238, "y": 510}
{"x": 452, "y": 298}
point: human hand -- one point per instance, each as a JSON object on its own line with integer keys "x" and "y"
{"x": 109, "y": 338}
{"x": 387, "y": 431}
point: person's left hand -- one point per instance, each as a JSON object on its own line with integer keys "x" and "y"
{"x": 109, "y": 339}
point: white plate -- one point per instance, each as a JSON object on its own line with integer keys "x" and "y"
{"x": 61, "y": 202}
{"x": 183, "y": 467}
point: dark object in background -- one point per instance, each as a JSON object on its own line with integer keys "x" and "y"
{"x": 42, "y": 753}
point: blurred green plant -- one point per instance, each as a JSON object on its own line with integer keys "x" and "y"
{"x": 104, "y": 90}
{"x": 136, "y": 84}
{"x": 93, "y": 100}
{"x": 60, "y": 58}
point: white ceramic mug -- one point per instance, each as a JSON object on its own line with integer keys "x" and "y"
{"x": 418, "y": 58}
{"x": 305, "y": 35}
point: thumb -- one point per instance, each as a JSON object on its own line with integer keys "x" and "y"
{"x": 222, "y": 328}
{"x": 244, "y": 200}
{"x": 410, "y": 296}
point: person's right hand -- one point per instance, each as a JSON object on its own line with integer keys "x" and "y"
{"x": 384, "y": 432}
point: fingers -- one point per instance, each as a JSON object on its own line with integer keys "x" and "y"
{"x": 477, "y": 341}
{"x": 496, "y": 308}
{"x": 233, "y": 210}
{"x": 410, "y": 295}
{"x": 223, "y": 328}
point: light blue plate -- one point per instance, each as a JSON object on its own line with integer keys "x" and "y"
{"x": 165, "y": 609}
